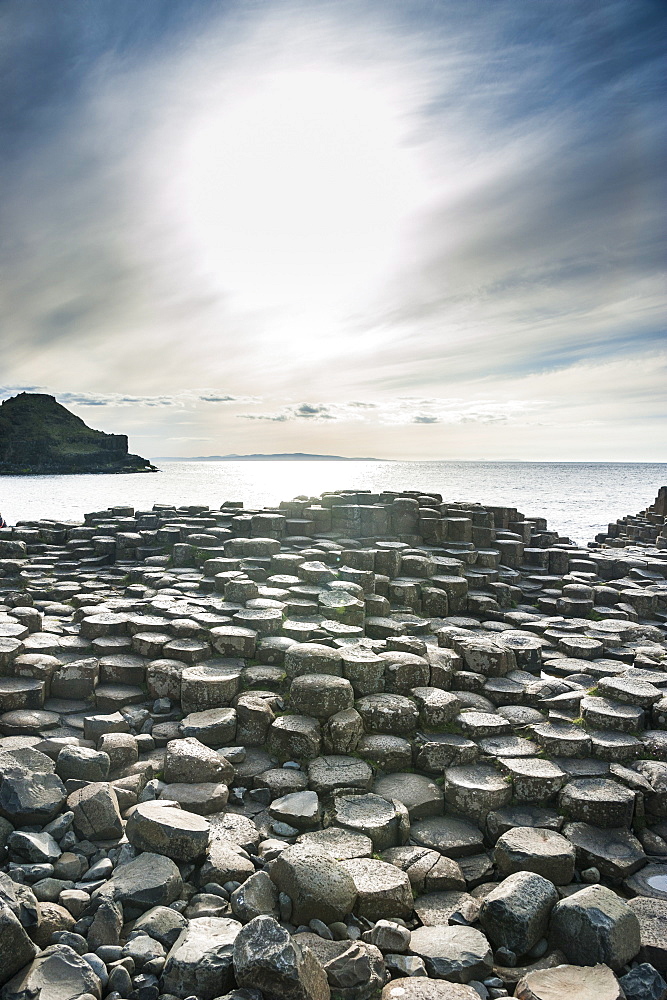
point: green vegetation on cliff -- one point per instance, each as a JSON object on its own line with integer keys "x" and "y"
{"x": 38, "y": 436}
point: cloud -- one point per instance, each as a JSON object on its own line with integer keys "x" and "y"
{"x": 351, "y": 199}
{"x": 185, "y": 398}
{"x": 403, "y": 411}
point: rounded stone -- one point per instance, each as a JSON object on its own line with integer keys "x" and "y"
{"x": 458, "y": 954}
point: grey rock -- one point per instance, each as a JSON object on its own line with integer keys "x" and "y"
{"x": 83, "y": 763}
{"x": 106, "y": 926}
{"x": 268, "y": 959}
{"x": 516, "y": 914}
{"x": 536, "y": 850}
{"x": 383, "y": 890}
{"x": 96, "y": 812}
{"x": 390, "y": 937}
{"x": 317, "y": 884}
{"x": 385, "y": 822}
{"x": 20, "y": 899}
{"x": 200, "y": 961}
{"x": 161, "y": 923}
{"x": 16, "y": 948}
{"x": 643, "y": 983}
{"x": 34, "y": 847}
{"x": 457, "y": 954}
{"x": 257, "y": 896}
{"x": 652, "y": 917}
{"x": 28, "y": 799}
{"x": 595, "y": 925}
{"x": 189, "y": 761}
{"x": 334, "y": 772}
{"x": 147, "y": 881}
{"x": 57, "y": 973}
{"x": 162, "y": 829}
{"x": 299, "y": 809}
{"x": 420, "y": 796}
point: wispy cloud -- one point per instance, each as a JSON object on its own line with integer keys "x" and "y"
{"x": 186, "y": 398}
{"x": 402, "y": 411}
{"x": 346, "y": 201}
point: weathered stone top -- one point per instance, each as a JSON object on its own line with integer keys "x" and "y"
{"x": 39, "y": 436}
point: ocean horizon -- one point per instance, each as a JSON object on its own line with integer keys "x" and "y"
{"x": 578, "y": 499}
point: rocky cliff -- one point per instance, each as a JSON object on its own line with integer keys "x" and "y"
{"x": 39, "y": 436}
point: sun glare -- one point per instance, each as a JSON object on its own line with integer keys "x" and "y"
{"x": 294, "y": 191}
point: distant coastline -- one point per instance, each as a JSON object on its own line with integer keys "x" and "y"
{"x": 296, "y": 456}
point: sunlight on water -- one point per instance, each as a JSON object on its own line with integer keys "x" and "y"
{"x": 578, "y": 499}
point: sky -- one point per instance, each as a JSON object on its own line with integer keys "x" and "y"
{"x": 407, "y": 229}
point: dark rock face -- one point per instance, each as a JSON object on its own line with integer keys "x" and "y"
{"x": 39, "y": 436}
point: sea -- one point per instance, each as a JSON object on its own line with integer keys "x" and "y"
{"x": 578, "y": 499}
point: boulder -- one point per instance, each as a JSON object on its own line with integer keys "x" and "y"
{"x": 595, "y": 926}
{"x": 515, "y": 915}
{"x": 57, "y": 973}
{"x": 200, "y": 961}
{"x": 257, "y": 896}
{"x": 537, "y": 850}
{"x": 189, "y": 761}
{"x": 643, "y": 983}
{"x": 318, "y": 886}
{"x": 570, "y": 982}
{"x": 16, "y": 948}
{"x": 385, "y": 822}
{"x": 28, "y": 798}
{"x": 458, "y": 954}
{"x": 150, "y": 880}
{"x": 266, "y": 958}
{"x": 96, "y": 812}
{"x": 383, "y": 890}
{"x": 162, "y": 829}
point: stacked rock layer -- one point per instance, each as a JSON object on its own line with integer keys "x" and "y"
{"x": 359, "y": 745}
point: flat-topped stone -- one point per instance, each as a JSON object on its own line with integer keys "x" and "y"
{"x": 453, "y": 837}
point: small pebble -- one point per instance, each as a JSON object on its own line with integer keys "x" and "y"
{"x": 319, "y": 927}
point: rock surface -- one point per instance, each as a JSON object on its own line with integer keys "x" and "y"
{"x": 39, "y": 436}
{"x": 352, "y": 744}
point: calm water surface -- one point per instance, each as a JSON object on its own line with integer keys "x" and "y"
{"x": 578, "y": 499}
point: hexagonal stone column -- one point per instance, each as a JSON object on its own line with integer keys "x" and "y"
{"x": 293, "y": 736}
{"x": 209, "y": 685}
{"x": 535, "y": 850}
{"x": 534, "y": 779}
{"x": 364, "y": 669}
{"x": 383, "y": 890}
{"x": 321, "y": 695}
{"x": 385, "y": 822}
{"x": 162, "y": 829}
{"x": 598, "y": 801}
{"x": 474, "y": 790}
{"x": 388, "y": 713}
{"x": 312, "y": 658}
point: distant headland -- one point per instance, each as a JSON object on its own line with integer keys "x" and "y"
{"x": 38, "y": 436}
{"x": 297, "y": 456}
